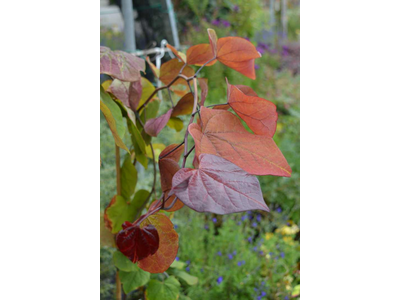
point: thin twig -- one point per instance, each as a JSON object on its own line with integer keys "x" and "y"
{"x": 161, "y": 157}
{"x": 198, "y": 71}
{"x": 191, "y": 121}
{"x": 170, "y": 98}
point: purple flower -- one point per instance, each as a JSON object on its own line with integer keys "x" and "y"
{"x": 258, "y": 216}
{"x": 255, "y": 289}
{"x": 219, "y": 280}
{"x": 206, "y": 227}
{"x": 226, "y": 23}
{"x": 214, "y": 220}
{"x": 239, "y": 223}
{"x": 246, "y": 38}
{"x": 261, "y": 252}
{"x": 259, "y": 298}
{"x": 263, "y": 294}
{"x": 175, "y": 226}
{"x": 236, "y": 8}
{"x": 273, "y": 51}
{"x": 271, "y": 253}
{"x": 282, "y": 254}
{"x": 215, "y": 22}
{"x": 230, "y": 256}
{"x": 261, "y": 50}
{"x": 286, "y": 298}
{"x": 244, "y": 218}
{"x": 279, "y": 210}
{"x": 219, "y": 253}
{"x": 250, "y": 239}
{"x": 188, "y": 262}
{"x": 262, "y": 282}
{"x": 234, "y": 252}
{"x": 255, "y": 248}
{"x": 187, "y": 269}
{"x": 254, "y": 224}
{"x": 240, "y": 263}
{"x": 177, "y": 258}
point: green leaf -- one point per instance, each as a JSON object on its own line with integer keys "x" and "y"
{"x": 142, "y": 158}
{"x": 147, "y": 90}
{"x": 189, "y": 279}
{"x": 113, "y": 116}
{"x": 128, "y": 178}
{"x": 151, "y": 110}
{"x": 167, "y": 290}
{"x": 183, "y": 297}
{"x": 122, "y": 211}
{"x": 123, "y": 263}
{"x": 175, "y": 123}
{"x": 137, "y": 139}
{"x": 178, "y": 265}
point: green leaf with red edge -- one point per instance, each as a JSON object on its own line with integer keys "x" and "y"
{"x": 184, "y": 106}
{"x": 258, "y": 113}
{"x": 218, "y": 186}
{"x": 238, "y": 54}
{"x": 200, "y": 54}
{"x": 119, "y": 210}
{"x": 168, "y": 247}
{"x": 120, "y": 65}
{"x": 154, "y": 126}
{"x": 223, "y": 134}
{"x": 168, "y": 166}
{"x": 128, "y": 92}
{"x": 113, "y": 116}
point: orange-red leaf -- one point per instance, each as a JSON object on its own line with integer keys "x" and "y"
{"x": 200, "y": 54}
{"x": 238, "y": 54}
{"x": 154, "y": 126}
{"x": 153, "y": 68}
{"x": 223, "y": 135}
{"x": 168, "y": 248}
{"x": 168, "y": 166}
{"x": 170, "y": 70}
{"x": 204, "y": 89}
{"x": 258, "y": 113}
{"x": 176, "y": 52}
{"x": 184, "y": 106}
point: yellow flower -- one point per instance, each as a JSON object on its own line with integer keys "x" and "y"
{"x": 269, "y": 235}
{"x": 288, "y": 230}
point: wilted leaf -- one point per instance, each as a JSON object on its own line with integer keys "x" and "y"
{"x": 106, "y": 237}
{"x": 128, "y": 92}
{"x": 218, "y": 186}
{"x": 200, "y": 54}
{"x": 166, "y": 290}
{"x": 168, "y": 166}
{"x": 238, "y": 54}
{"x": 175, "y": 123}
{"x": 259, "y": 114}
{"x": 137, "y": 242}
{"x": 223, "y": 134}
{"x": 184, "y": 106}
{"x": 168, "y": 248}
{"x": 128, "y": 178}
{"x": 120, "y": 65}
{"x": 113, "y": 116}
{"x": 154, "y": 126}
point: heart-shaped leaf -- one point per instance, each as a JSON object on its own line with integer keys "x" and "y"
{"x": 168, "y": 248}
{"x": 259, "y": 114}
{"x": 154, "y": 126}
{"x": 223, "y": 134}
{"x": 128, "y": 92}
{"x": 218, "y": 186}
{"x": 166, "y": 290}
{"x": 137, "y": 242}
{"x": 175, "y": 123}
{"x": 200, "y": 54}
{"x": 184, "y": 106}
{"x": 120, "y": 65}
{"x": 170, "y": 69}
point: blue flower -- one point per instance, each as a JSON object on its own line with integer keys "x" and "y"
{"x": 187, "y": 269}
{"x": 258, "y": 216}
{"x": 202, "y": 270}
{"x": 262, "y": 282}
{"x": 234, "y": 252}
{"x": 255, "y": 248}
{"x": 286, "y": 298}
{"x": 261, "y": 252}
{"x": 177, "y": 258}
{"x": 175, "y": 226}
{"x": 279, "y": 210}
{"x": 230, "y": 256}
{"x": 282, "y": 254}
{"x": 215, "y": 22}
{"x": 206, "y": 226}
{"x": 244, "y": 217}
{"x": 250, "y": 239}
{"x": 239, "y": 223}
{"x": 219, "y": 280}
{"x": 219, "y": 253}
{"x": 214, "y": 220}
{"x": 239, "y": 263}
{"x": 254, "y": 224}
{"x": 255, "y": 289}
{"x": 188, "y": 262}
{"x": 259, "y": 298}
{"x": 263, "y": 294}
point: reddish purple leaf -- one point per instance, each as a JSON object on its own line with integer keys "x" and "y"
{"x": 137, "y": 243}
{"x": 154, "y": 126}
{"x": 120, "y": 65}
{"x": 217, "y": 186}
{"x": 128, "y": 92}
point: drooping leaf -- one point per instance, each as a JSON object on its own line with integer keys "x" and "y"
{"x": 200, "y": 54}
{"x": 258, "y": 113}
{"x": 168, "y": 166}
{"x": 175, "y": 123}
{"x": 128, "y": 92}
{"x": 238, "y": 54}
{"x": 119, "y": 211}
{"x": 218, "y": 186}
{"x": 113, "y": 116}
{"x": 223, "y": 134}
{"x": 154, "y": 126}
{"x": 120, "y": 65}
{"x": 137, "y": 242}
{"x": 128, "y": 178}
{"x": 212, "y": 36}
{"x": 178, "y": 54}
{"x": 184, "y": 106}
{"x": 153, "y": 68}
{"x": 168, "y": 247}
{"x": 137, "y": 139}
{"x": 189, "y": 279}
{"x": 170, "y": 69}
{"x": 204, "y": 89}
{"x": 106, "y": 84}
{"x": 167, "y": 290}
{"x": 134, "y": 279}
